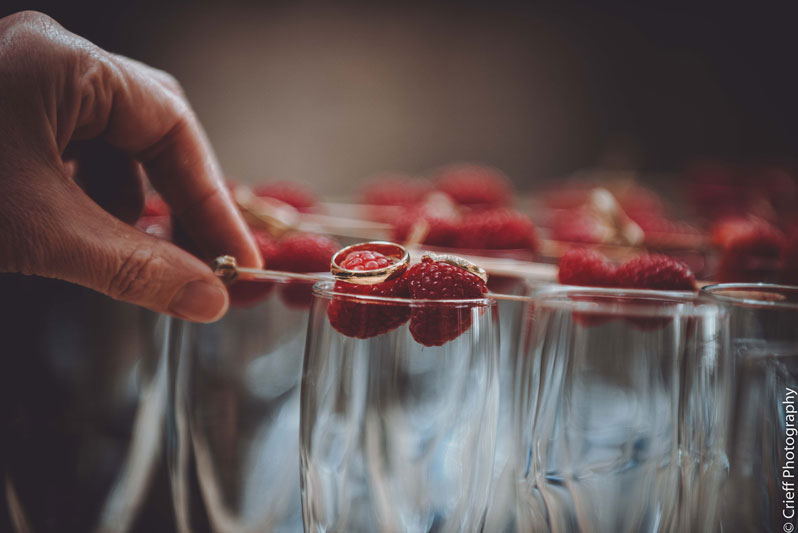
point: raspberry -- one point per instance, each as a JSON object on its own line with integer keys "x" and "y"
{"x": 440, "y": 232}
{"x": 661, "y": 231}
{"x": 361, "y": 319}
{"x": 366, "y": 260}
{"x": 638, "y": 199}
{"x": 658, "y": 272}
{"x": 714, "y": 189}
{"x": 577, "y": 226}
{"x": 395, "y": 189}
{"x": 294, "y": 194}
{"x": 434, "y": 325}
{"x": 498, "y": 229}
{"x": 474, "y": 185}
{"x": 301, "y": 252}
{"x": 154, "y": 206}
{"x": 789, "y": 258}
{"x": 582, "y": 266}
{"x": 249, "y": 293}
{"x": 751, "y": 250}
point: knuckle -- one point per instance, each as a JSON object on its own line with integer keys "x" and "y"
{"x": 171, "y": 82}
{"x": 32, "y": 19}
{"x": 138, "y": 275}
{"x": 31, "y": 29}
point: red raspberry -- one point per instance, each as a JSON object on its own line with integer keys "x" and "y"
{"x": 638, "y": 199}
{"x": 154, "y": 206}
{"x": 434, "y": 325}
{"x": 714, "y": 189}
{"x": 361, "y": 319}
{"x": 294, "y": 194}
{"x": 302, "y": 252}
{"x": 751, "y": 250}
{"x": 441, "y": 231}
{"x": 395, "y": 189}
{"x": 789, "y": 258}
{"x": 661, "y": 231}
{"x": 498, "y": 229}
{"x": 583, "y": 266}
{"x": 249, "y": 293}
{"x": 657, "y": 272}
{"x": 474, "y": 185}
{"x": 576, "y": 225}
{"x": 366, "y": 260}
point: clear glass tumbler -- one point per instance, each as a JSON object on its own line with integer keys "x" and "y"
{"x": 82, "y": 403}
{"x": 761, "y": 491}
{"x": 512, "y": 313}
{"x": 234, "y": 412}
{"x": 395, "y": 435}
{"x": 620, "y": 406}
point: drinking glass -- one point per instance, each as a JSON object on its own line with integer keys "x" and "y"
{"x": 760, "y": 493}
{"x": 620, "y": 406}
{"x": 82, "y": 403}
{"x": 396, "y": 435}
{"x": 512, "y": 331}
{"x": 234, "y": 411}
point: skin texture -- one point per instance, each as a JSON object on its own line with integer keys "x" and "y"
{"x": 80, "y": 129}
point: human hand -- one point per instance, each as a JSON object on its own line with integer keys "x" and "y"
{"x": 71, "y": 112}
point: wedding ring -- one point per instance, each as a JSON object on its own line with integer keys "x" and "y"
{"x": 457, "y": 261}
{"x": 371, "y": 277}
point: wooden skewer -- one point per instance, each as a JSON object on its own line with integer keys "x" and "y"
{"x": 501, "y": 266}
{"x": 226, "y": 268}
{"x": 278, "y": 218}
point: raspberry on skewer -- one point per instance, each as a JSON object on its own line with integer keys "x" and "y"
{"x": 302, "y": 252}
{"x": 434, "y": 325}
{"x": 498, "y": 229}
{"x": 362, "y": 319}
{"x": 657, "y": 272}
{"x": 474, "y": 185}
{"x": 248, "y": 293}
{"x": 583, "y": 266}
{"x": 294, "y": 194}
{"x": 750, "y": 250}
{"x": 297, "y": 252}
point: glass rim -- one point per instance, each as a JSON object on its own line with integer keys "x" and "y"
{"x": 620, "y": 301}
{"x": 748, "y": 290}
{"x": 323, "y": 289}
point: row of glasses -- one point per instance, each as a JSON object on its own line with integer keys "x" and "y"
{"x": 618, "y": 410}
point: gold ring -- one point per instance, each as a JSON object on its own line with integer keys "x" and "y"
{"x": 371, "y": 277}
{"x": 457, "y": 261}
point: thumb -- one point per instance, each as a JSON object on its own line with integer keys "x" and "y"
{"x": 100, "y": 252}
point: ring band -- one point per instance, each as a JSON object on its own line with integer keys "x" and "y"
{"x": 371, "y": 277}
{"x": 457, "y": 261}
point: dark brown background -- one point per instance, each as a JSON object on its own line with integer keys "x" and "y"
{"x": 329, "y": 94}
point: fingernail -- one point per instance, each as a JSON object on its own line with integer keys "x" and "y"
{"x": 199, "y": 301}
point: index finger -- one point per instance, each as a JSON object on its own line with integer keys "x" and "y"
{"x": 149, "y": 118}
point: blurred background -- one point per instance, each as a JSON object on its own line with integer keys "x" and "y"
{"x": 329, "y": 94}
